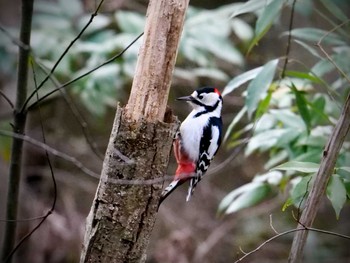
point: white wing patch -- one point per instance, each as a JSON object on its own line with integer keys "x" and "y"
{"x": 214, "y": 141}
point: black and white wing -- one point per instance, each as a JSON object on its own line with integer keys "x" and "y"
{"x": 208, "y": 147}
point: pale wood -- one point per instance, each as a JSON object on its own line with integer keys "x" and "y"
{"x": 150, "y": 89}
{"x": 330, "y": 155}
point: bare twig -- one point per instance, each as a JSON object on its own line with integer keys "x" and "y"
{"x": 51, "y": 150}
{"x": 62, "y": 56}
{"x": 76, "y": 113}
{"x": 271, "y": 225}
{"x": 289, "y": 39}
{"x": 85, "y": 74}
{"x": 81, "y": 166}
{"x": 24, "y": 220}
{"x": 319, "y": 45}
{"x": 2, "y": 94}
{"x": 28, "y": 235}
{"x": 14, "y": 40}
{"x": 304, "y": 229}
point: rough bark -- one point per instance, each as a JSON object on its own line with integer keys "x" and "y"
{"x": 122, "y": 215}
{"x": 330, "y": 155}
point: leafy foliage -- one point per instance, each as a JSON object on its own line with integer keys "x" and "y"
{"x": 293, "y": 115}
{"x": 205, "y": 42}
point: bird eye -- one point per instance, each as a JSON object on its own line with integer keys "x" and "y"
{"x": 200, "y": 96}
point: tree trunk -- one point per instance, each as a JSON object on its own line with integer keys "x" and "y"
{"x": 122, "y": 215}
{"x": 19, "y": 123}
{"x": 330, "y": 155}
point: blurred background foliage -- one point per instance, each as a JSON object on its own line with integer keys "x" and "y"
{"x": 277, "y": 122}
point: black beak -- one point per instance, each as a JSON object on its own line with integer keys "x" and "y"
{"x": 186, "y": 98}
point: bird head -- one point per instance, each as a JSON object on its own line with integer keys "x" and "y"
{"x": 207, "y": 97}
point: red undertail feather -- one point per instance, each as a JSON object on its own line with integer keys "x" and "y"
{"x": 185, "y": 166}
{"x": 184, "y": 171}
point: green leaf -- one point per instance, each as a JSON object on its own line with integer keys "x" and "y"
{"x": 334, "y": 10}
{"x": 130, "y": 22}
{"x": 303, "y": 167}
{"x": 314, "y": 141}
{"x": 242, "y": 29}
{"x": 288, "y": 119}
{"x": 243, "y": 197}
{"x": 311, "y": 50}
{"x": 345, "y": 168}
{"x": 263, "y": 105}
{"x": 269, "y": 14}
{"x": 71, "y": 8}
{"x": 302, "y": 107}
{"x": 322, "y": 67}
{"x": 241, "y": 79}
{"x": 275, "y": 159}
{"x": 265, "y": 20}
{"x": 312, "y": 155}
{"x": 265, "y": 140}
{"x": 235, "y": 120}
{"x": 314, "y": 35}
{"x": 336, "y": 193}
{"x": 303, "y": 75}
{"x": 344, "y": 172}
{"x": 249, "y": 7}
{"x": 258, "y": 86}
{"x": 288, "y": 203}
{"x": 299, "y": 192}
{"x": 222, "y": 49}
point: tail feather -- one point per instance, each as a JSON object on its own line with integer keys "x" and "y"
{"x": 193, "y": 183}
{"x": 169, "y": 189}
{"x": 184, "y": 172}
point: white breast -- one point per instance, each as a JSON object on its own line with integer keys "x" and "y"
{"x": 191, "y": 131}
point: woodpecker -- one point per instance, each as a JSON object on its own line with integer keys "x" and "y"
{"x": 198, "y": 139}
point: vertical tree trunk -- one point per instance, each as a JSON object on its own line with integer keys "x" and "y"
{"x": 18, "y": 127}
{"x": 330, "y": 155}
{"x": 122, "y": 216}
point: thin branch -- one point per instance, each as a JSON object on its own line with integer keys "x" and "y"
{"x": 51, "y": 150}
{"x": 83, "y": 75}
{"x": 24, "y": 220}
{"x": 306, "y": 229}
{"x": 266, "y": 242}
{"x": 327, "y": 89}
{"x": 2, "y": 94}
{"x": 76, "y": 113}
{"x": 289, "y": 39}
{"x": 319, "y": 45}
{"x": 81, "y": 166}
{"x": 62, "y": 56}
{"x": 28, "y": 235}
{"x": 271, "y": 225}
{"x": 14, "y": 40}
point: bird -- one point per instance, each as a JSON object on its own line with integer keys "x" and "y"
{"x": 198, "y": 139}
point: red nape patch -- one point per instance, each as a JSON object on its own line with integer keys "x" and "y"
{"x": 217, "y": 91}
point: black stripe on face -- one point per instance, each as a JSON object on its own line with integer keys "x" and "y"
{"x": 206, "y": 108}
